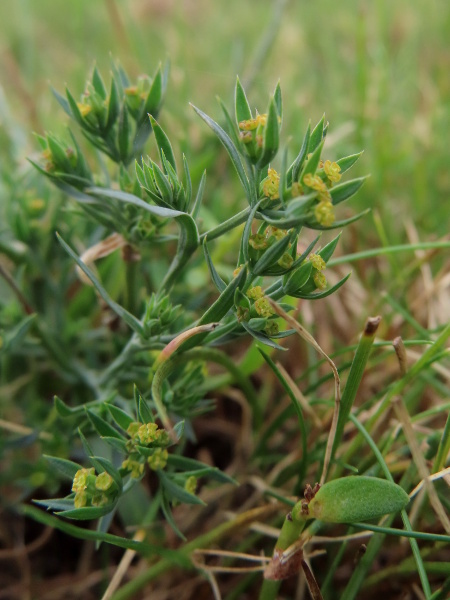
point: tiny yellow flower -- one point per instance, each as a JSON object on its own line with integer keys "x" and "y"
{"x": 80, "y": 480}
{"x": 319, "y": 280}
{"x": 104, "y": 481}
{"x": 317, "y": 262}
{"x": 245, "y": 137}
{"x": 263, "y": 307}
{"x": 133, "y": 429}
{"x": 237, "y": 270}
{"x": 275, "y": 232}
{"x": 324, "y": 213}
{"x": 158, "y": 459}
{"x": 131, "y": 91}
{"x": 251, "y": 124}
{"x": 84, "y": 109}
{"x": 100, "y": 500}
{"x": 314, "y": 182}
{"x": 286, "y": 261}
{"x": 257, "y": 241}
{"x": 80, "y": 499}
{"x": 162, "y": 437}
{"x": 136, "y": 468}
{"x": 272, "y": 328}
{"x": 332, "y": 170}
{"x": 271, "y": 185}
{"x": 255, "y": 293}
{"x": 191, "y": 484}
{"x": 296, "y": 189}
{"x": 146, "y": 433}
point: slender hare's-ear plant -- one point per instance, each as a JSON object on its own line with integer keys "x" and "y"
{"x": 165, "y": 353}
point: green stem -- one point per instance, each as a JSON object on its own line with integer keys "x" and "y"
{"x": 389, "y": 250}
{"x": 227, "y": 225}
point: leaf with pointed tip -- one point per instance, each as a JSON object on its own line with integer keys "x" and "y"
{"x": 218, "y": 281}
{"x": 229, "y": 146}
{"x": 155, "y": 95}
{"x": 163, "y": 142}
{"x": 111, "y": 470}
{"x": 261, "y": 337}
{"x": 67, "y": 467}
{"x": 248, "y": 229}
{"x": 338, "y": 224}
{"x": 101, "y": 426}
{"x": 123, "y": 134}
{"x": 271, "y": 137}
{"x": 296, "y": 280}
{"x": 165, "y": 507}
{"x": 316, "y": 135}
{"x": 243, "y": 111}
{"x": 348, "y": 161}
{"x": 343, "y": 191}
{"x": 327, "y": 251}
{"x": 199, "y": 197}
{"x": 176, "y": 492}
{"x": 122, "y": 418}
{"x": 129, "y": 319}
{"x": 231, "y": 125}
{"x": 323, "y": 294}
{"x": 62, "y": 102}
{"x": 187, "y": 182}
{"x": 278, "y": 100}
{"x": 313, "y": 162}
{"x": 190, "y": 464}
{"x": 86, "y": 513}
{"x": 113, "y": 105}
{"x": 271, "y": 255}
{"x": 98, "y": 84}
{"x": 296, "y": 167}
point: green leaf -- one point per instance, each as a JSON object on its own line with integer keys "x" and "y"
{"x": 296, "y": 167}
{"x": 353, "y": 499}
{"x": 338, "y": 224}
{"x": 278, "y": 100}
{"x": 293, "y": 282}
{"x": 348, "y": 161}
{"x": 262, "y": 337}
{"x": 343, "y": 191}
{"x": 98, "y": 84}
{"x": 129, "y": 319}
{"x": 165, "y": 507}
{"x": 189, "y": 464}
{"x": 271, "y": 255}
{"x": 176, "y": 492}
{"x": 323, "y": 294}
{"x": 233, "y": 131}
{"x": 271, "y": 137}
{"x": 229, "y": 147}
{"x": 199, "y": 197}
{"x": 163, "y": 184}
{"x": 122, "y": 418}
{"x": 224, "y": 302}
{"x": 313, "y": 162}
{"x": 116, "y": 443}
{"x": 87, "y": 513}
{"x": 111, "y": 470}
{"x": 113, "y": 105}
{"x": 101, "y": 426}
{"x": 327, "y": 251}
{"x": 64, "y": 466}
{"x": 123, "y": 134}
{"x": 62, "y": 408}
{"x": 88, "y": 534}
{"x": 155, "y": 95}
{"x": 187, "y": 183}
{"x": 316, "y": 136}
{"x": 62, "y": 102}
{"x": 163, "y": 142}
{"x": 217, "y": 280}
{"x": 242, "y": 107}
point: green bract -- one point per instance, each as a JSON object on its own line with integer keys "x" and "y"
{"x": 352, "y": 499}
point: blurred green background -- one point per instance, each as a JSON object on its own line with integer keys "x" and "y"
{"x": 378, "y": 69}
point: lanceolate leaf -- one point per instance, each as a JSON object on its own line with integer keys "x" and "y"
{"x": 229, "y": 146}
{"x": 345, "y": 190}
{"x": 163, "y": 142}
{"x": 323, "y": 294}
{"x": 218, "y": 281}
{"x": 242, "y": 107}
{"x": 271, "y": 136}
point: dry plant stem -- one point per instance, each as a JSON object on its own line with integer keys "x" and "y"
{"x": 433, "y": 477}
{"x": 400, "y": 351}
{"x": 311, "y": 581}
{"x": 299, "y": 396}
{"x": 122, "y": 567}
{"x": 337, "y": 382}
{"x": 403, "y": 416}
{"x": 100, "y": 250}
{"x": 240, "y": 523}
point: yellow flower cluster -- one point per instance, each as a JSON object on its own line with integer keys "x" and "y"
{"x": 251, "y": 124}
{"x": 271, "y": 185}
{"x": 324, "y": 213}
{"x": 263, "y": 307}
{"x": 317, "y": 262}
{"x": 255, "y": 293}
{"x": 332, "y": 171}
{"x": 134, "y": 466}
{"x": 158, "y": 459}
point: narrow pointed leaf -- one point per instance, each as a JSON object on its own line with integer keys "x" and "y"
{"x": 67, "y": 467}
{"x": 271, "y": 136}
{"x": 343, "y": 191}
{"x": 316, "y": 135}
{"x": 348, "y": 161}
{"x": 229, "y": 146}
{"x": 242, "y": 107}
{"x": 163, "y": 142}
{"x": 217, "y": 280}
